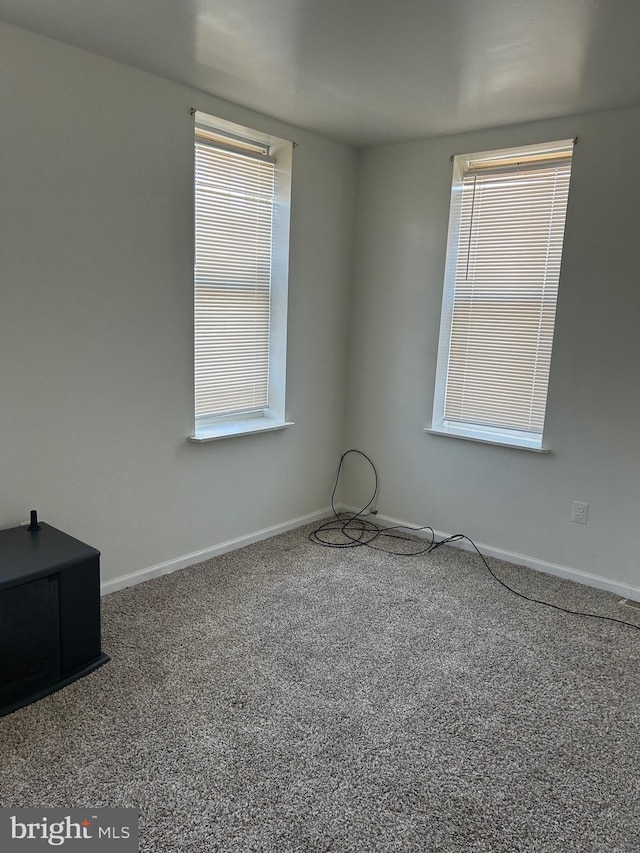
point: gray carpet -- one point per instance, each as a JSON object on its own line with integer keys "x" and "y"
{"x": 287, "y": 697}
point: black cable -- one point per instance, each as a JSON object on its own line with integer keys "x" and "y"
{"x": 349, "y": 524}
{"x": 357, "y": 531}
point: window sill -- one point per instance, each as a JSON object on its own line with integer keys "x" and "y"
{"x": 215, "y": 432}
{"x": 495, "y": 440}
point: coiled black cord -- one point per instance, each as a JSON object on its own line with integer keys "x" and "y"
{"x": 352, "y": 530}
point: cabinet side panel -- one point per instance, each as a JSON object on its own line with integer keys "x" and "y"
{"x": 80, "y": 614}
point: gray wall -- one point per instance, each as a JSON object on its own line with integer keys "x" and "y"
{"x": 96, "y": 349}
{"x": 96, "y": 332}
{"x": 509, "y": 499}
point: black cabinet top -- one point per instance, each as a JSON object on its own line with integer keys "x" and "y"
{"x": 26, "y": 555}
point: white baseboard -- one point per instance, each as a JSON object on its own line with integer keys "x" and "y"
{"x": 624, "y": 590}
{"x": 215, "y": 550}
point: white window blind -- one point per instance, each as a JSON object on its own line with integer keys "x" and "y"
{"x": 234, "y": 196}
{"x": 509, "y": 219}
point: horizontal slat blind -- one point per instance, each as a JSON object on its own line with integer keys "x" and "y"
{"x": 233, "y": 218}
{"x": 506, "y": 285}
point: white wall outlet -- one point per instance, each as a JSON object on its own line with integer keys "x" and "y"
{"x": 579, "y": 512}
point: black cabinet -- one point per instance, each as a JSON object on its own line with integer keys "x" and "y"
{"x": 49, "y": 613}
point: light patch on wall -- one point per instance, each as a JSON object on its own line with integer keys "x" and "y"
{"x": 513, "y": 67}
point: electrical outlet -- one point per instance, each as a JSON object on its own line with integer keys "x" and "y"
{"x": 579, "y": 512}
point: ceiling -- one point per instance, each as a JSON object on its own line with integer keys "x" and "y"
{"x": 369, "y": 71}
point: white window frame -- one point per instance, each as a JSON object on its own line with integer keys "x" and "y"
{"x": 272, "y": 417}
{"x": 499, "y": 434}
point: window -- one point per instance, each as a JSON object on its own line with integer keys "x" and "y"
{"x": 242, "y": 199}
{"x": 506, "y": 229}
